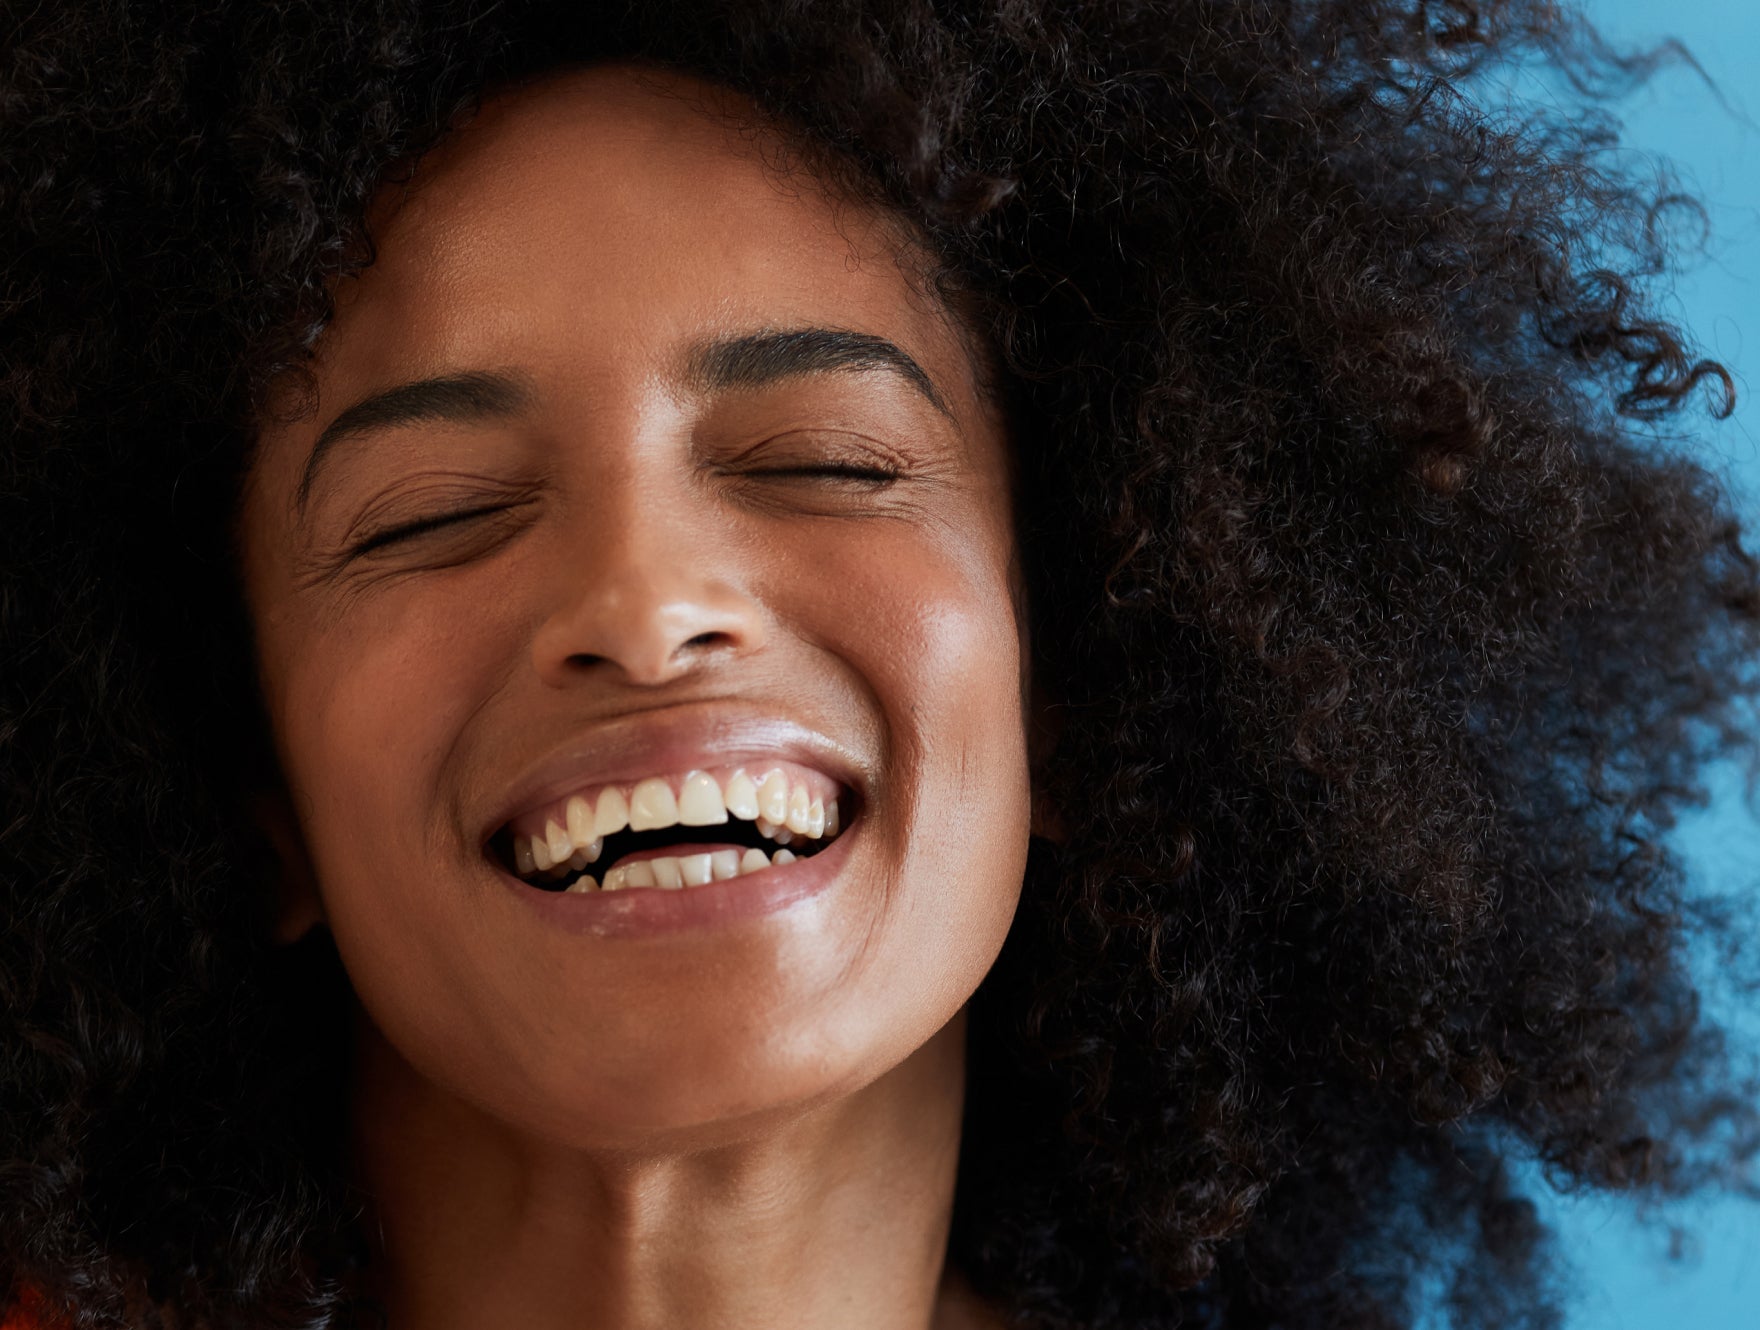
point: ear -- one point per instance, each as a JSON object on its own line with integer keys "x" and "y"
{"x": 296, "y": 908}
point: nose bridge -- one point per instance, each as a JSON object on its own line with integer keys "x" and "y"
{"x": 644, "y": 584}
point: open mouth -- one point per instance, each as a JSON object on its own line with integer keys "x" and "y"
{"x": 670, "y": 833}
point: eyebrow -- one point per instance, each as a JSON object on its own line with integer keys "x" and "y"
{"x": 754, "y": 360}
{"x": 757, "y": 360}
{"x": 472, "y": 397}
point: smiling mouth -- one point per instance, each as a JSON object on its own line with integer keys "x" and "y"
{"x": 669, "y": 833}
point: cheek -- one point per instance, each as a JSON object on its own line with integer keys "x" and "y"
{"x": 372, "y": 704}
{"x": 932, "y": 631}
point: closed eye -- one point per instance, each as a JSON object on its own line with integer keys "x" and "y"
{"x": 420, "y": 527}
{"x": 870, "y": 474}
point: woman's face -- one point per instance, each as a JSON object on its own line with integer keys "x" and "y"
{"x": 634, "y": 459}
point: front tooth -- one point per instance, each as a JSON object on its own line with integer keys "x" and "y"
{"x": 752, "y": 860}
{"x": 582, "y": 884}
{"x": 742, "y": 795}
{"x": 542, "y": 859}
{"x": 725, "y": 863}
{"x": 699, "y": 802}
{"x": 615, "y": 879}
{"x": 524, "y": 861}
{"x": 592, "y": 850}
{"x": 666, "y": 873}
{"x": 612, "y": 814}
{"x": 580, "y": 821}
{"x": 651, "y": 805}
{"x": 782, "y": 857}
{"x": 799, "y": 811}
{"x": 560, "y": 845}
{"x": 773, "y": 797}
{"x": 767, "y": 828}
{"x": 832, "y": 824}
{"x": 696, "y": 869}
{"x": 639, "y": 874}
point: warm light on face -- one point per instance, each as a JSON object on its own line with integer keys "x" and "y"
{"x": 630, "y": 462}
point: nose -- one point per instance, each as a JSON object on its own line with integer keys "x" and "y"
{"x": 641, "y": 597}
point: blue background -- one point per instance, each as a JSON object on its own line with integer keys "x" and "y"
{"x": 1617, "y": 1272}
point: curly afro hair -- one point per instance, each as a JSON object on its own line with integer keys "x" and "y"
{"x": 1386, "y": 638}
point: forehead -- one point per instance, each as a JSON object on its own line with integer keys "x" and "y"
{"x": 611, "y": 212}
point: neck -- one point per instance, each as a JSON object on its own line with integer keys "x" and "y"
{"x": 834, "y": 1215}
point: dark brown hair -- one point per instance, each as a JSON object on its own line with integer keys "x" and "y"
{"x": 1385, "y": 635}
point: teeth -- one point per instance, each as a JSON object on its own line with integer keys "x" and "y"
{"x": 651, "y": 805}
{"x": 671, "y": 873}
{"x": 560, "y": 845}
{"x": 773, "y": 798}
{"x": 785, "y": 833}
{"x": 782, "y": 812}
{"x": 613, "y": 813}
{"x": 699, "y": 802}
{"x": 742, "y": 795}
{"x": 580, "y": 821}
{"x": 582, "y": 856}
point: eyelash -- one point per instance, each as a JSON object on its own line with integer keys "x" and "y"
{"x": 870, "y": 474}
{"x": 422, "y": 526}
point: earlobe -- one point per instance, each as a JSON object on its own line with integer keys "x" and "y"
{"x": 295, "y": 907}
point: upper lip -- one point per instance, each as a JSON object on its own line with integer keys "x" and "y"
{"x": 677, "y": 739}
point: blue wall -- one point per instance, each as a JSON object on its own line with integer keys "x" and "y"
{"x": 1619, "y": 1273}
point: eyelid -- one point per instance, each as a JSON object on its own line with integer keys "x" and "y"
{"x": 849, "y": 471}
{"x": 398, "y": 532}
{"x": 809, "y": 450}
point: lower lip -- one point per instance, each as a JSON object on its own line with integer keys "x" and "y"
{"x": 638, "y": 912}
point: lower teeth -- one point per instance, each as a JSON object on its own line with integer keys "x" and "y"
{"x": 672, "y": 873}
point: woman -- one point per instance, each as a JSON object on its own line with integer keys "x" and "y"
{"x": 817, "y": 665}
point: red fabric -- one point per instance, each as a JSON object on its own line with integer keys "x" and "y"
{"x": 29, "y": 1311}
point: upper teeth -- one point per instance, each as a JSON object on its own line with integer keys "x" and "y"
{"x": 781, "y": 808}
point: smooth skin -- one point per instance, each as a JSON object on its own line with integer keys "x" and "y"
{"x": 749, "y": 1125}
